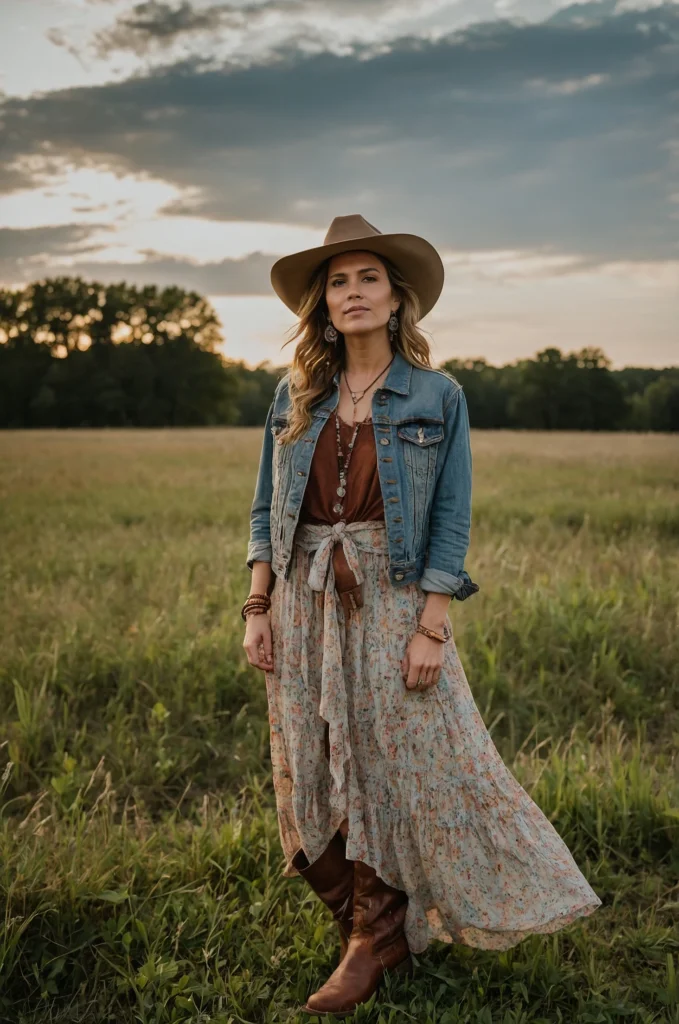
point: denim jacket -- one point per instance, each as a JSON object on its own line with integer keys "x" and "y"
{"x": 424, "y": 461}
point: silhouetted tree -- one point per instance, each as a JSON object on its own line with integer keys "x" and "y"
{"x": 487, "y": 389}
{"x": 661, "y": 404}
{"x": 79, "y": 353}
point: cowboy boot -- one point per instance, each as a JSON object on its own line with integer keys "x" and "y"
{"x": 331, "y": 876}
{"x": 377, "y": 943}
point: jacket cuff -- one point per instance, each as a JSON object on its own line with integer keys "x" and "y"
{"x": 259, "y": 551}
{"x": 439, "y": 582}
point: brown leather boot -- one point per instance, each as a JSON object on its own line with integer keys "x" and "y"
{"x": 377, "y": 943}
{"x": 331, "y": 877}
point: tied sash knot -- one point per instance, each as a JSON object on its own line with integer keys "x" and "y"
{"x": 321, "y": 565}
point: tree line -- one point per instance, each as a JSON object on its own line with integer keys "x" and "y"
{"x": 76, "y": 353}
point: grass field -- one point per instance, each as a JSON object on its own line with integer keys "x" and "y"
{"x": 140, "y": 868}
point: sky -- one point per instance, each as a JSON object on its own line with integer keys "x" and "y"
{"x": 535, "y": 143}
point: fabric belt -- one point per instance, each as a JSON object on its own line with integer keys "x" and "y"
{"x": 322, "y": 538}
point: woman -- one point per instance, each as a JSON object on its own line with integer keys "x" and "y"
{"x": 392, "y": 799}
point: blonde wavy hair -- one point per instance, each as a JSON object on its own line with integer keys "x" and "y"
{"x": 316, "y": 361}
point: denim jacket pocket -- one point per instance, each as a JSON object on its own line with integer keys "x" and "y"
{"x": 278, "y": 423}
{"x": 421, "y": 432}
{"x": 420, "y": 452}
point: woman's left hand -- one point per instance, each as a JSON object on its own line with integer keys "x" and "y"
{"x": 422, "y": 660}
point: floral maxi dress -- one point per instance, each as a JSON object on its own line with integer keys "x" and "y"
{"x": 431, "y": 806}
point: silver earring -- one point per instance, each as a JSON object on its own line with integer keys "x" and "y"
{"x": 331, "y": 333}
{"x": 393, "y": 324}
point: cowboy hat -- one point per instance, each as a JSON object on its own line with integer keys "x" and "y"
{"x": 417, "y": 259}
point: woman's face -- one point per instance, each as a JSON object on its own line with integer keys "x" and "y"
{"x": 358, "y": 279}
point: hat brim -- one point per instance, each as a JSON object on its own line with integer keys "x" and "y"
{"x": 415, "y": 257}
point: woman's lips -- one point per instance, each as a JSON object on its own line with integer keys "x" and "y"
{"x": 353, "y": 312}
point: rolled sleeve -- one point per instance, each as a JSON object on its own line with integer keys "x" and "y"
{"x": 258, "y": 552}
{"x": 440, "y": 582}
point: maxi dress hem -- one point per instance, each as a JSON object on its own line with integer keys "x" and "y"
{"x": 431, "y": 806}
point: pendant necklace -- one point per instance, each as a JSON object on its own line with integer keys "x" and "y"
{"x": 356, "y": 396}
{"x": 338, "y": 507}
{"x": 343, "y": 464}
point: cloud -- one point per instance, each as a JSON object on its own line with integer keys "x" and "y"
{"x": 35, "y": 253}
{"x": 25, "y": 253}
{"x": 154, "y": 22}
{"x": 558, "y": 136}
{"x": 157, "y": 25}
{"x": 160, "y": 23}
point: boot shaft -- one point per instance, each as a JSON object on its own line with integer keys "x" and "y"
{"x": 331, "y": 876}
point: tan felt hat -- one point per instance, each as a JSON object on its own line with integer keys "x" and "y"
{"x": 415, "y": 257}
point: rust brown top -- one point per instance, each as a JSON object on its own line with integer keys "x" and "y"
{"x": 363, "y": 500}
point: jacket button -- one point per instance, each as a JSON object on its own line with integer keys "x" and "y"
{"x": 398, "y": 576}
{"x": 384, "y": 440}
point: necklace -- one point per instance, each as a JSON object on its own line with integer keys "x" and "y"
{"x": 338, "y": 507}
{"x": 356, "y": 396}
{"x": 343, "y": 464}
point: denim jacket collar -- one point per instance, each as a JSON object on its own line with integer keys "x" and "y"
{"x": 398, "y": 378}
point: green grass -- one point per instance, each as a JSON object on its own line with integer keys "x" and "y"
{"x": 140, "y": 867}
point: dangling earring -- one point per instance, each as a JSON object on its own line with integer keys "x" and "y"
{"x": 393, "y": 326}
{"x": 331, "y": 333}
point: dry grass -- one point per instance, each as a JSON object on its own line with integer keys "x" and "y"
{"x": 139, "y": 857}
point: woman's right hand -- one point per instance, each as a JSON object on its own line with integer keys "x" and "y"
{"x": 257, "y": 642}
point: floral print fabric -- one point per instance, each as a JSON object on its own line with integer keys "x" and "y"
{"x": 430, "y": 803}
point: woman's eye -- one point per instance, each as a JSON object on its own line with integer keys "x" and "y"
{"x": 368, "y": 277}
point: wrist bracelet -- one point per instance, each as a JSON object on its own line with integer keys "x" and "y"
{"x": 261, "y": 602}
{"x": 255, "y": 610}
{"x": 434, "y": 635}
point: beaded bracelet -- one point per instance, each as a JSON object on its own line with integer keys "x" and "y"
{"x": 255, "y": 610}
{"x": 257, "y": 599}
{"x": 256, "y": 603}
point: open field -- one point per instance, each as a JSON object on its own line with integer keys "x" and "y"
{"x": 139, "y": 858}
